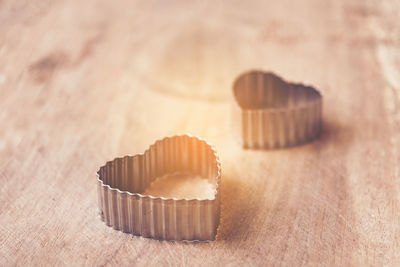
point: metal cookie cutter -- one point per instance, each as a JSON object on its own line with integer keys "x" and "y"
{"x": 121, "y": 181}
{"x": 272, "y": 113}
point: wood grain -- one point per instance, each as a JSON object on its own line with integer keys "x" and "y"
{"x": 84, "y": 81}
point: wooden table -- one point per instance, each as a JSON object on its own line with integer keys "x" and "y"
{"x": 84, "y": 81}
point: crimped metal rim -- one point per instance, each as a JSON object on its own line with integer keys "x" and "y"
{"x": 271, "y": 113}
{"x": 274, "y": 109}
{"x": 192, "y": 202}
{"x": 218, "y": 178}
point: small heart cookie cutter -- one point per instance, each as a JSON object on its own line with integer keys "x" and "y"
{"x": 123, "y": 207}
{"x": 271, "y": 113}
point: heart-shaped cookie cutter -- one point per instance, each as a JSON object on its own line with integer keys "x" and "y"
{"x": 121, "y": 181}
{"x": 272, "y": 113}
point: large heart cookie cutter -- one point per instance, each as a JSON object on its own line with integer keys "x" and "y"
{"x": 272, "y": 113}
{"x": 121, "y": 181}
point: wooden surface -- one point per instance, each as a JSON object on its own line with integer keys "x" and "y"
{"x": 84, "y": 81}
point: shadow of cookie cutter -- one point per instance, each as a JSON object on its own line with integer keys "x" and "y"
{"x": 124, "y": 208}
{"x": 271, "y": 113}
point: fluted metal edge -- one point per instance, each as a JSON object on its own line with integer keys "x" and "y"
{"x": 276, "y": 125}
{"x": 159, "y": 217}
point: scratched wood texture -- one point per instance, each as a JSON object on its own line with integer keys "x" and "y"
{"x": 84, "y": 81}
